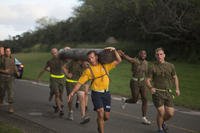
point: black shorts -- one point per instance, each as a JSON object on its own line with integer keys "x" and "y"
{"x": 101, "y": 100}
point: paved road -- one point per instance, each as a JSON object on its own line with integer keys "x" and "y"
{"x": 32, "y": 104}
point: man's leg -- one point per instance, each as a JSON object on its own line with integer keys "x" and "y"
{"x": 144, "y": 105}
{"x": 81, "y": 98}
{"x": 160, "y": 116}
{"x": 10, "y": 93}
{"x": 2, "y": 91}
{"x": 169, "y": 112}
{"x": 70, "y": 112}
{"x": 86, "y": 98}
{"x": 134, "y": 92}
{"x": 100, "y": 120}
{"x": 59, "y": 102}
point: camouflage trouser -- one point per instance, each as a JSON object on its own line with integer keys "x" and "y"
{"x": 137, "y": 88}
{"x": 56, "y": 86}
{"x": 2, "y": 91}
{"x": 6, "y": 86}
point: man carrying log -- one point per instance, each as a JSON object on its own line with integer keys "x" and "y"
{"x": 101, "y": 97}
{"x": 57, "y": 70}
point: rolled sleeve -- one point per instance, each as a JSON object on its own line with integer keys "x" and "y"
{"x": 84, "y": 77}
{"x": 110, "y": 66}
{"x": 173, "y": 73}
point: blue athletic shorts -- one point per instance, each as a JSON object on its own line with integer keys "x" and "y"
{"x": 101, "y": 100}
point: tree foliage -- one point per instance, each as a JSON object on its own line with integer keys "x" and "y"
{"x": 173, "y": 24}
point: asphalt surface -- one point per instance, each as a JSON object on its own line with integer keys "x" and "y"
{"x": 31, "y": 104}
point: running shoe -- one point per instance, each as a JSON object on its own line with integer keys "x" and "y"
{"x": 61, "y": 113}
{"x": 165, "y": 128}
{"x": 145, "y": 121}
{"x": 71, "y": 116}
{"x": 55, "y": 109}
{"x": 85, "y": 120}
{"x": 160, "y": 131}
{"x": 123, "y": 103}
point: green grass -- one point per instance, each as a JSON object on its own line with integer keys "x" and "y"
{"x": 189, "y": 75}
{"x": 4, "y": 128}
{"x": 33, "y": 64}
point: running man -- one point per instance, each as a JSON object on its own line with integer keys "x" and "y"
{"x": 161, "y": 78}
{"x": 7, "y": 78}
{"x": 57, "y": 70}
{"x": 101, "y": 97}
{"x": 137, "y": 83}
{"x": 75, "y": 69}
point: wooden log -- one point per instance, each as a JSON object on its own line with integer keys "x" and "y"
{"x": 105, "y": 56}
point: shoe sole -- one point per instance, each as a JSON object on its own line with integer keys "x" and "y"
{"x": 85, "y": 121}
{"x": 146, "y": 123}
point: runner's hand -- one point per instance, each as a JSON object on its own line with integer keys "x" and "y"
{"x": 67, "y": 48}
{"x": 153, "y": 90}
{"x": 177, "y": 92}
{"x": 70, "y": 97}
{"x": 120, "y": 52}
{"x": 110, "y": 48}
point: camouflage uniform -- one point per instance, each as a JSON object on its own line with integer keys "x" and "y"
{"x": 7, "y": 79}
{"x": 137, "y": 83}
{"x": 74, "y": 67}
{"x": 162, "y": 79}
{"x": 56, "y": 84}
{"x": 1, "y": 80}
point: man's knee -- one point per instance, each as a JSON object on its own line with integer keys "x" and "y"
{"x": 106, "y": 116}
{"x": 169, "y": 111}
{"x": 161, "y": 111}
{"x": 144, "y": 100}
{"x": 100, "y": 113}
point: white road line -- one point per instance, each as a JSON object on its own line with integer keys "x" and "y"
{"x": 117, "y": 98}
{"x": 138, "y": 118}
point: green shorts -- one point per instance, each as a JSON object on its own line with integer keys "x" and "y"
{"x": 162, "y": 98}
{"x": 56, "y": 85}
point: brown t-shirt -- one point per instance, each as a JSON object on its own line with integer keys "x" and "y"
{"x": 55, "y": 65}
{"x": 139, "y": 68}
{"x": 9, "y": 63}
{"x": 162, "y": 75}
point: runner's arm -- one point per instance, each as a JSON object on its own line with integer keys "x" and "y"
{"x": 75, "y": 89}
{"x": 149, "y": 85}
{"x": 176, "y": 84}
{"x": 46, "y": 68}
{"x": 118, "y": 58}
{"x": 126, "y": 57}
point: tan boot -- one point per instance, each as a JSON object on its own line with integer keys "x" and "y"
{"x": 10, "y": 109}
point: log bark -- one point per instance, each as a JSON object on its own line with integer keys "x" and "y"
{"x": 105, "y": 56}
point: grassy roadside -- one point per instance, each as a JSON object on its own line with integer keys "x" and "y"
{"x": 4, "y": 128}
{"x": 189, "y": 75}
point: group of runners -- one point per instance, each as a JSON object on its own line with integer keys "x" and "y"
{"x": 78, "y": 76}
{"x": 8, "y": 71}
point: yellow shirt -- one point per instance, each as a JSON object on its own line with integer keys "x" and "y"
{"x": 99, "y": 84}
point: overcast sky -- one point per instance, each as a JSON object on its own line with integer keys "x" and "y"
{"x": 18, "y": 16}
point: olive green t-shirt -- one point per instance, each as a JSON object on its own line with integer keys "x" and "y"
{"x": 139, "y": 68}
{"x": 9, "y": 63}
{"x": 162, "y": 75}
{"x": 76, "y": 69}
{"x": 55, "y": 65}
